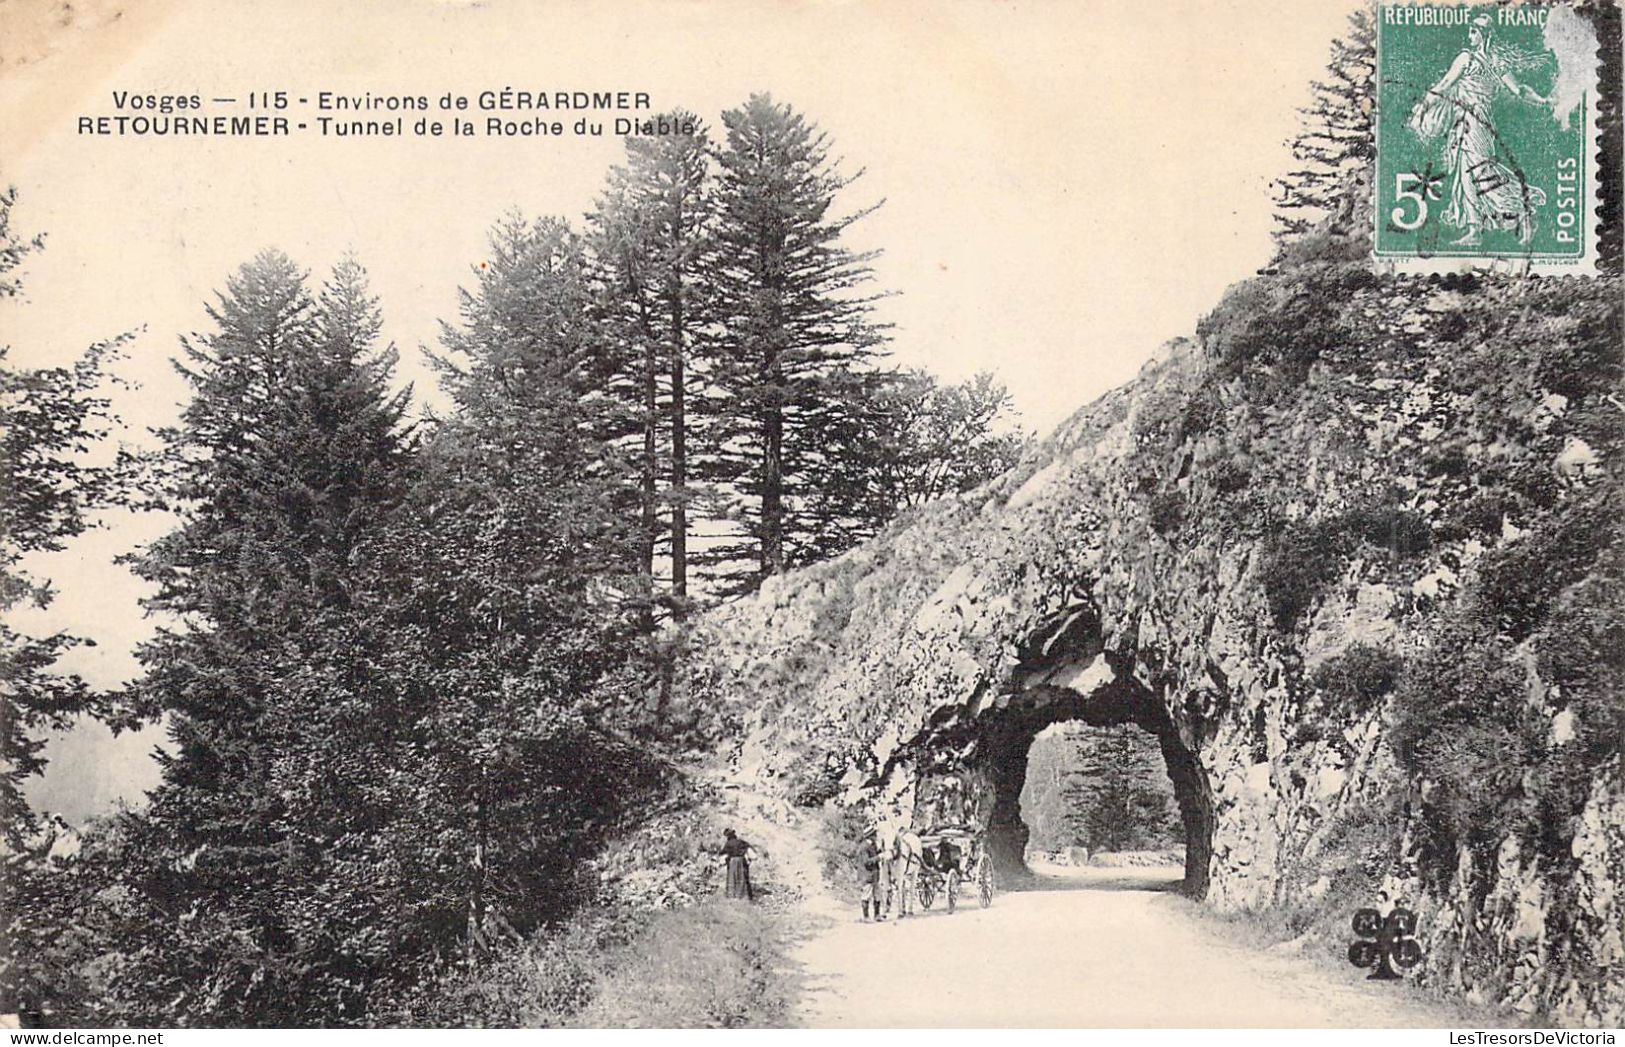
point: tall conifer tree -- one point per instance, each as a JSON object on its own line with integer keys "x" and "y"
{"x": 284, "y": 465}
{"x": 794, "y": 319}
{"x": 49, "y": 418}
{"x": 508, "y": 600}
{"x": 1337, "y": 135}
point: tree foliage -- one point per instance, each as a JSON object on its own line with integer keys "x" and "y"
{"x": 1338, "y": 134}
{"x": 651, "y": 241}
{"x": 796, "y": 326}
{"x": 289, "y": 457}
{"x": 892, "y": 441}
{"x": 52, "y": 420}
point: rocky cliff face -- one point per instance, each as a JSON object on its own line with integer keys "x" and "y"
{"x": 1352, "y": 553}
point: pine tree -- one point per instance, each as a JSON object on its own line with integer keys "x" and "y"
{"x": 633, "y": 360}
{"x": 1338, "y": 133}
{"x": 890, "y": 441}
{"x": 794, "y": 326}
{"x": 650, "y": 237}
{"x": 508, "y": 599}
{"x": 282, "y": 470}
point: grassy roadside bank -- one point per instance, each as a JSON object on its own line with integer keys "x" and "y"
{"x": 718, "y": 964}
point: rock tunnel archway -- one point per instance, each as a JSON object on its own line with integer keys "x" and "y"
{"x": 1006, "y": 737}
{"x": 1064, "y": 674}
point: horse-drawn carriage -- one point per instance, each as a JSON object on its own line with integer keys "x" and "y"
{"x": 955, "y": 857}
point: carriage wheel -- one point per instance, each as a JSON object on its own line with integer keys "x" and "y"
{"x": 953, "y": 890}
{"x": 984, "y": 882}
{"x": 928, "y": 891}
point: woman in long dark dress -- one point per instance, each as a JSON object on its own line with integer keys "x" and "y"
{"x": 733, "y": 848}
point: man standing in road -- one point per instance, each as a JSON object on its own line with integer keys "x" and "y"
{"x": 870, "y": 873}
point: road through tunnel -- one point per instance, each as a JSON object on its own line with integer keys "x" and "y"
{"x": 1001, "y": 760}
{"x": 990, "y": 744}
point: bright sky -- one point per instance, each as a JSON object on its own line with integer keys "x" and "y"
{"x": 1067, "y": 184}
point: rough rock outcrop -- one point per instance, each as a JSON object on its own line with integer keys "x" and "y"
{"x": 1259, "y": 550}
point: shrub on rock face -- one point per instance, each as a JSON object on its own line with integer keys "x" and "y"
{"x": 1271, "y": 330}
{"x": 1304, "y": 558}
{"x": 1530, "y": 482}
{"x": 1447, "y": 462}
{"x": 1357, "y": 679}
{"x": 1202, "y": 411}
{"x": 816, "y": 785}
{"x": 1479, "y": 768}
{"x": 1343, "y": 870}
{"x": 1581, "y": 653}
{"x": 1518, "y": 582}
{"x": 1484, "y": 514}
{"x": 1167, "y": 512}
{"x": 1298, "y": 564}
{"x": 1400, "y": 531}
{"x": 1231, "y": 475}
{"x": 1578, "y": 353}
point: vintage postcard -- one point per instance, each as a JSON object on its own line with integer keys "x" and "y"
{"x": 818, "y": 514}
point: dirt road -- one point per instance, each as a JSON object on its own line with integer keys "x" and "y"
{"x": 1108, "y": 948}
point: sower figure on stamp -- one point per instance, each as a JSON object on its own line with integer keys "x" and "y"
{"x": 1485, "y": 193}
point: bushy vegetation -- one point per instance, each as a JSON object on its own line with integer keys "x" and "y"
{"x": 1461, "y": 728}
{"x": 1343, "y": 869}
{"x": 720, "y": 964}
{"x": 1269, "y": 331}
{"x": 1167, "y": 512}
{"x": 1304, "y": 557}
{"x": 1507, "y": 715}
{"x": 837, "y": 833}
{"x": 1402, "y": 532}
{"x": 1582, "y": 654}
{"x": 1297, "y": 565}
{"x": 1518, "y": 582}
{"x": 1354, "y": 681}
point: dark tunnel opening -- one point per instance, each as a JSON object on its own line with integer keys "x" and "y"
{"x": 1005, "y": 738}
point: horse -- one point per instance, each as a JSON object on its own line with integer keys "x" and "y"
{"x": 907, "y": 855}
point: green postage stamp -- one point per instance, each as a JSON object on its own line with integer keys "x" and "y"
{"x": 1486, "y": 138}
